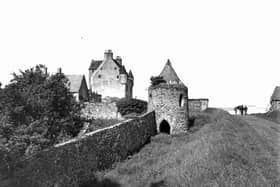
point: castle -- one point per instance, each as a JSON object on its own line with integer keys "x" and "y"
{"x": 109, "y": 78}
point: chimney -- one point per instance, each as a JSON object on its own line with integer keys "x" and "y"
{"x": 108, "y": 55}
{"x": 119, "y": 60}
{"x": 59, "y": 70}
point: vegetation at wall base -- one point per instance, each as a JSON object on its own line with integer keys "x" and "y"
{"x": 127, "y": 106}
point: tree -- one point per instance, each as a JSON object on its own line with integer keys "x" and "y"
{"x": 37, "y": 110}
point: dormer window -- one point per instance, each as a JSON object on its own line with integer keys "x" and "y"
{"x": 118, "y": 77}
{"x": 99, "y": 76}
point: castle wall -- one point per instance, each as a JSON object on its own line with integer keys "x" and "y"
{"x": 76, "y": 161}
{"x": 198, "y": 105}
{"x": 275, "y": 105}
{"x": 101, "y": 110}
{"x": 107, "y": 80}
{"x": 165, "y": 101}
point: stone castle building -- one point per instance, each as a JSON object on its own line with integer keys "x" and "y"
{"x": 275, "y": 99}
{"x": 170, "y": 102}
{"x": 109, "y": 78}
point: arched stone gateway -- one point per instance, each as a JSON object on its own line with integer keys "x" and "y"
{"x": 164, "y": 127}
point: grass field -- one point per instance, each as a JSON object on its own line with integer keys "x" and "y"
{"x": 226, "y": 151}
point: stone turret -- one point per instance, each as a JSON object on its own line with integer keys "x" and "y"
{"x": 130, "y": 75}
{"x": 275, "y": 99}
{"x": 170, "y": 102}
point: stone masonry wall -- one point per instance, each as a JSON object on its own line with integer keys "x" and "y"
{"x": 165, "y": 101}
{"x": 275, "y": 105}
{"x": 76, "y": 161}
{"x": 101, "y": 110}
{"x": 198, "y": 105}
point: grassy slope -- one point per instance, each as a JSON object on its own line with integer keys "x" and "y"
{"x": 228, "y": 151}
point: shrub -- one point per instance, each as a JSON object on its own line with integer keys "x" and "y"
{"x": 128, "y": 106}
{"x": 157, "y": 80}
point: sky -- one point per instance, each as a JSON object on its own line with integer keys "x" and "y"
{"x": 227, "y": 51}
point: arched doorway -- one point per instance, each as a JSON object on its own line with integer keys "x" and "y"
{"x": 164, "y": 127}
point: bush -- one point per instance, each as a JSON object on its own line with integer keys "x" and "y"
{"x": 37, "y": 110}
{"x": 157, "y": 80}
{"x": 128, "y": 106}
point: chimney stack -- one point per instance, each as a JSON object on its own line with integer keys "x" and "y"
{"x": 119, "y": 60}
{"x": 108, "y": 55}
{"x": 59, "y": 70}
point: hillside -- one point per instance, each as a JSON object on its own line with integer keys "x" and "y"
{"x": 227, "y": 151}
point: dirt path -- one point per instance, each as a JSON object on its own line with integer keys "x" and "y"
{"x": 269, "y": 130}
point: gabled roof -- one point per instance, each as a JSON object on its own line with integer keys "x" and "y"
{"x": 94, "y": 64}
{"x": 169, "y": 74}
{"x": 75, "y": 82}
{"x": 122, "y": 70}
{"x": 276, "y": 94}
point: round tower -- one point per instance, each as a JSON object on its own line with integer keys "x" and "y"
{"x": 169, "y": 100}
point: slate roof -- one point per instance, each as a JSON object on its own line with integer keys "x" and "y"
{"x": 75, "y": 82}
{"x": 169, "y": 74}
{"x": 94, "y": 64}
{"x": 122, "y": 69}
{"x": 276, "y": 94}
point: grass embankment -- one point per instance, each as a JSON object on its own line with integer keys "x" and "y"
{"x": 271, "y": 115}
{"x": 227, "y": 151}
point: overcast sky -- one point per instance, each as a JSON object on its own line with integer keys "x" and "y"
{"x": 227, "y": 51}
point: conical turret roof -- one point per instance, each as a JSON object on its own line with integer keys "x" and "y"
{"x": 276, "y": 94}
{"x": 169, "y": 74}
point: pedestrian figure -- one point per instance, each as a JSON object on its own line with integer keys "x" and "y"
{"x": 245, "y": 109}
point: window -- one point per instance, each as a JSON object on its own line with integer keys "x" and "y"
{"x": 115, "y": 68}
{"x": 101, "y": 68}
{"x": 118, "y": 77}
{"x": 99, "y": 76}
{"x": 150, "y": 96}
{"x": 181, "y": 100}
